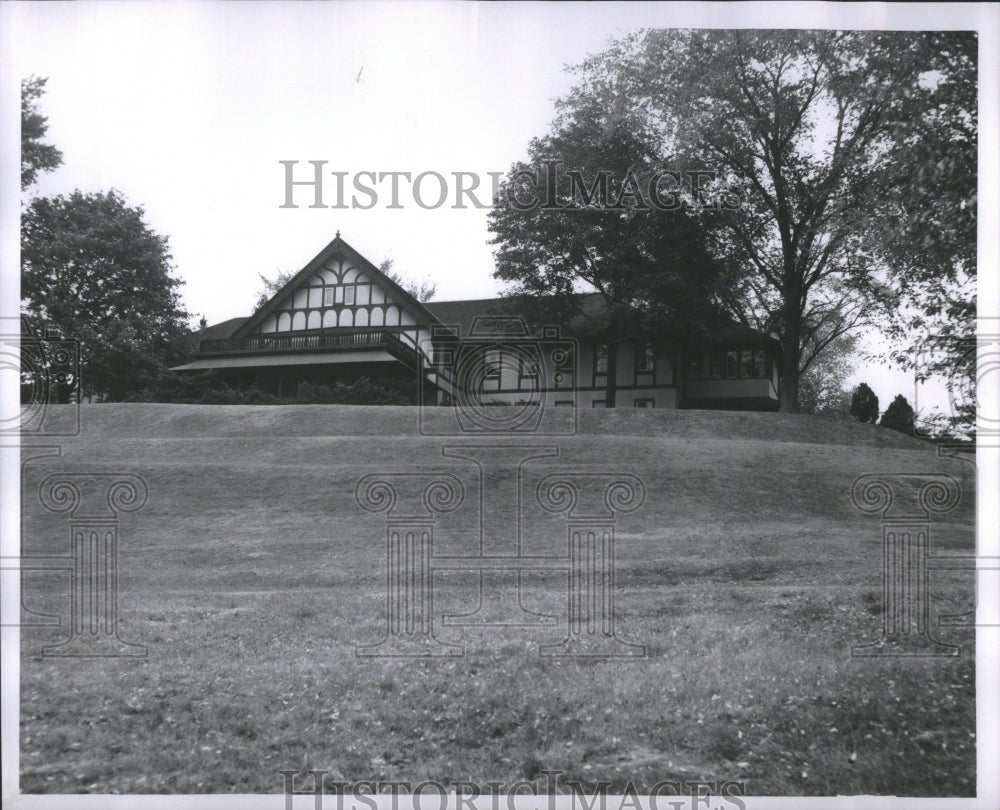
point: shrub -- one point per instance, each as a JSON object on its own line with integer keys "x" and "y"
{"x": 899, "y": 416}
{"x": 864, "y": 404}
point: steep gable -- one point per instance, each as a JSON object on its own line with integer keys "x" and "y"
{"x": 339, "y": 288}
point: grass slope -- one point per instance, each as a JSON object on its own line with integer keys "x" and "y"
{"x": 251, "y": 575}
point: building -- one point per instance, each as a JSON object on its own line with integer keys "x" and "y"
{"x": 340, "y": 318}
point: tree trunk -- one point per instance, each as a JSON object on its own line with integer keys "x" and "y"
{"x": 788, "y": 392}
{"x": 788, "y": 395}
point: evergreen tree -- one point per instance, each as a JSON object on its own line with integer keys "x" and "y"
{"x": 864, "y": 404}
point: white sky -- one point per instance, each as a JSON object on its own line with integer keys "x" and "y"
{"x": 188, "y": 107}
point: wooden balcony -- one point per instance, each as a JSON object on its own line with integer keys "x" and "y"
{"x": 400, "y": 344}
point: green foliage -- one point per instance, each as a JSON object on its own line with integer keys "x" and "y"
{"x": 864, "y": 404}
{"x": 808, "y": 119}
{"x": 649, "y": 262}
{"x": 899, "y": 416}
{"x": 36, "y": 155}
{"x": 423, "y": 290}
{"x": 823, "y": 386}
{"x": 205, "y": 388}
{"x": 930, "y": 248}
{"x": 361, "y": 392}
{"x": 655, "y": 269}
{"x": 270, "y": 286}
{"x": 93, "y": 270}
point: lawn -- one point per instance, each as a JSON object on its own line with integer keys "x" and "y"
{"x": 251, "y": 575}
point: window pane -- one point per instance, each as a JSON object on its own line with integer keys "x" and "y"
{"x": 731, "y": 363}
{"x": 493, "y": 364}
{"x": 644, "y": 358}
{"x": 348, "y": 295}
{"x": 328, "y": 297}
{"x": 746, "y": 362}
{"x": 601, "y": 360}
{"x": 759, "y": 364}
{"x": 717, "y": 363}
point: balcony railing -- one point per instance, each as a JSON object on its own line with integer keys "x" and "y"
{"x": 398, "y": 342}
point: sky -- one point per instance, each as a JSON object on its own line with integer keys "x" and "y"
{"x": 188, "y": 108}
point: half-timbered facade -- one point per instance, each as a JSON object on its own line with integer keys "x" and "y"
{"x": 340, "y": 319}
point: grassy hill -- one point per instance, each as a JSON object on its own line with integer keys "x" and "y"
{"x": 252, "y": 574}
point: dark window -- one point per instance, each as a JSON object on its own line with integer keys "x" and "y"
{"x": 645, "y": 359}
{"x": 601, "y": 360}
{"x": 443, "y": 358}
{"x": 598, "y": 403}
{"x": 645, "y": 403}
{"x": 731, "y": 361}
{"x": 491, "y": 366}
{"x": 731, "y": 364}
{"x": 527, "y": 373}
{"x": 759, "y": 363}
{"x": 718, "y": 362}
{"x": 565, "y": 403}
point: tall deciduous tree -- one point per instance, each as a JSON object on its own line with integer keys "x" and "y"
{"x": 927, "y": 184}
{"x": 36, "y": 155}
{"x": 578, "y": 217}
{"x": 808, "y": 119}
{"x": 92, "y": 269}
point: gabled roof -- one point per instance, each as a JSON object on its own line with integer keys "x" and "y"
{"x": 337, "y": 246}
{"x": 463, "y": 313}
{"x": 592, "y": 308}
{"x": 221, "y": 331}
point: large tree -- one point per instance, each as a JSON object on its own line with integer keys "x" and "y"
{"x": 927, "y": 189}
{"x": 577, "y": 217}
{"x": 94, "y": 271}
{"x": 36, "y": 155}
{"x": 807, "y": 120}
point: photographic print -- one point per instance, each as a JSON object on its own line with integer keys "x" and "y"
{"x": 512, "y": 405}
